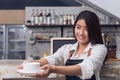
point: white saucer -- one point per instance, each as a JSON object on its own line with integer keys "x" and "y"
{"x": 28, "y": 73}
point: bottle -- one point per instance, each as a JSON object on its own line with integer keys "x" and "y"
{"x": 40, "y": 17}
{"x": 61, "y": 19}
{"x": 44, "y": 17}
{"x": 69, "y": 19}
{"x": 65, "y": 19}
{"x": 36, "y": 17}
{"x": 52, "y": 16}
{"x": 72, "y": 19}
{"x": 49, "y": 17}
{"x": 31, "y": 39}
{"x": 32, "y": 17}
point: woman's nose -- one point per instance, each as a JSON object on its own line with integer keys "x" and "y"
{"x": 81, "y": 32}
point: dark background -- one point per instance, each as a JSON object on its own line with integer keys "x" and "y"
{"x": 21, "y": 4}
{"x": 58, "y": 43}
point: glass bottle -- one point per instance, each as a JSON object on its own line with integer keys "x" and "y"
{"x": 69, "y": 19}
{"x": 41, "y": 17}
{"x": 32, "y": 17}
{"x": 53, "y": 16}
{"x": 36, "y": 17}
{"x": 72, "y": 19}
{"x": 48, "y": 17}
{"x": 61, "y": 19}
{"x": 31, "y": 39}
{"x": 44, "y": 16}
{"x": 65, "y": 19}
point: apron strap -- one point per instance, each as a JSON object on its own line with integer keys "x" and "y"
{"x": 70, "y": 54}
{"x": 89, "y": 52}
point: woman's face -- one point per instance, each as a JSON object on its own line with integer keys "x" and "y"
{"x": 81, "y": 32}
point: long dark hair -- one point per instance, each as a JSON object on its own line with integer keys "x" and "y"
{"x": 93, "y": 25}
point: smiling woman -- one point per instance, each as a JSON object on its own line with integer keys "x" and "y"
{"x": 83, "y": 58}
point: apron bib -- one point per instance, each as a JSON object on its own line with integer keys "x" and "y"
{"x": 74, "y": 62}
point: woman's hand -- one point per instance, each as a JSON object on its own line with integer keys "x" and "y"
{"x": 20, "y": 66}
{"x": 47, "y": 70}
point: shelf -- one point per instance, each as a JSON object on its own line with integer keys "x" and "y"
{"x": 110, "y": 25}
{"x": 49, "y": 25}
{"x": 113, "y": 59}
{"x": 102, "y": 25}
{"x": 17, "y": 40}
{"x": 14, "y": 50}
{"x": 42, "y": 41}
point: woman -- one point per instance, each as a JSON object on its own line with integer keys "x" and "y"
{"x": 82, "y": 60}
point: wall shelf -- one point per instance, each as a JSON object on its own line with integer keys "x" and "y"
{"x": 36, "y": 26}
{"x": 43, "y": 41}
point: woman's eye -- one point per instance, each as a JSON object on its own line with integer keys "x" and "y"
{"x": 78, "y": 27}
{"x": 86, "y": 28}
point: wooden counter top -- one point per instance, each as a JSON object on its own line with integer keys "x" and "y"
{"x": 113, "y": 60}
{"x": 8, "y": 71}
{"x": 57, "y": 78}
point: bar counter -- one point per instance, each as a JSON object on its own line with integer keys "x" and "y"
{"x": 8, "y": 71}
{"x": 56, "y": 78}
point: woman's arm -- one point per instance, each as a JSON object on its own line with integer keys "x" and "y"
{"x": 42, "y": 61}
{"x": 67, "y": 70}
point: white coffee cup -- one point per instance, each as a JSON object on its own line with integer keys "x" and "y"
{"x": 31, "y": 66}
